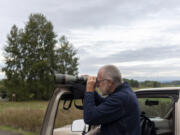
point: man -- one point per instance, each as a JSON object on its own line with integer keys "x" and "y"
{"x": 118, "y": 113}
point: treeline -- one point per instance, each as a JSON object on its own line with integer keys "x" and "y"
{"x": 173, "y": 83}
{"x": 151, "y": 84}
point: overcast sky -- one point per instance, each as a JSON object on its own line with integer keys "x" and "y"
{"x": 140, "y": 37}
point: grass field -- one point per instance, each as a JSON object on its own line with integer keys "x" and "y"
{"x": 28, "y": 116}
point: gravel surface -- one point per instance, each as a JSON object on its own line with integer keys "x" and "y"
{"x": 66, "y": 130}
{"x": 8, "y": 133}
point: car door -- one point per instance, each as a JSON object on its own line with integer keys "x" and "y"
{"x": 159, "y": 107}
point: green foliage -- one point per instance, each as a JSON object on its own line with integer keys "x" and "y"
{"x": 67, "y": 62}
{"x": 31, "y": 57}
{"x": 151, "y": 84}
{"x": 132, "y": 83}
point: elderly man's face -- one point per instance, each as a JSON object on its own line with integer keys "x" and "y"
{"x": 103, "y": 83}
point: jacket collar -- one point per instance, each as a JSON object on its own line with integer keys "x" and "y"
{"x": 118, "y": 88}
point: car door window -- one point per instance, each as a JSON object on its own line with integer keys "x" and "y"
{"x": 160, "y": 111}
{"x": 155, "y": 107}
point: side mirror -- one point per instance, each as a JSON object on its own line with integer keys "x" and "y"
{"x": 78, "y": 126}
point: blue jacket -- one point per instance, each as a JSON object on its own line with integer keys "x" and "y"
{"x": 118, "y": 113}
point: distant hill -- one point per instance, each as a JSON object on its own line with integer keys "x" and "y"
{"x": 172, "y": 83}
{"x": 149, "y": 83}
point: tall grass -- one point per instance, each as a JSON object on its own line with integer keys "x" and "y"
{"x": 160, "y": 110}
{"x": 65, "y": 117}
{"x": 28, "y": 116}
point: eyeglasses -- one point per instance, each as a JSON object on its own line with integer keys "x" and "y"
{"x": 99, "y": 81}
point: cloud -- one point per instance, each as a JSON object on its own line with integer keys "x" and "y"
{"x": 100, "y": 13}
{"x": 143, "y": 64}
{"x": 144, "y": 54}
{"x": 140, "y": 37}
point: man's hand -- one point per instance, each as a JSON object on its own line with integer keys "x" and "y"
{"x": 91, "y": 83}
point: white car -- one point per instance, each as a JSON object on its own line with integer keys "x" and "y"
{"x": 160, "y": 105}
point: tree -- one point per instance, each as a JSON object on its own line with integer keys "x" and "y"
{"x": 13, "y": 62}
{"x": 67, "y": 62}
{"x": 31, "y": 57}
{"x": 38, "y": 42}
{"x": 132, "y": 82}
{"x": 151, "y": 84}
{"x": 156, "y": 84}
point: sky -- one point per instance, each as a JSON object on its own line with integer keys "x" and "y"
{"x": 140, "y": 37}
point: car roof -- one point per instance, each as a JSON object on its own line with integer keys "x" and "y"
{"x": 159, "y": 89}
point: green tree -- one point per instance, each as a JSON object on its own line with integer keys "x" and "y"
{"x": 132, "y": 82}
{"x": 156, "y": 84}
{"x": 38, "y": 42}
{"x": 151, "y": 84}
{"x": 67, "y": 61}
{"x": 31, "y": 57}
{"x": 13, "y": 62}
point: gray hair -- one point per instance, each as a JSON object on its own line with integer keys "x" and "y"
{"x": 110, "y": 71}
